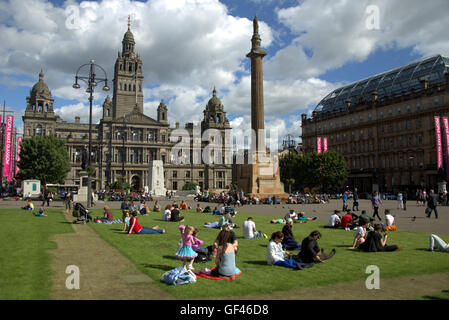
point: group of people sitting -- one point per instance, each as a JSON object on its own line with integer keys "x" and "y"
{"x": 350, "y": 221}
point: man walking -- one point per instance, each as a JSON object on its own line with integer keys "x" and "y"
{"x": 375, "y": 201}
{"x": 355, "y": 197}
{"x": 432, "y": 203}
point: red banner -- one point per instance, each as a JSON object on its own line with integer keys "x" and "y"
{"x": 324, "y": 144}
{"x": 19, "y": 141}
{"x": 439, "y": 143}
{"x": 446, "y": 131}
{"x": 7, "y": 160}
{"x": 318, "y": 144}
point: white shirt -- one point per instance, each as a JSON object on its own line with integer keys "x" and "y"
{"x": 390, "y": 219}
{"x": 248, "y": 229}
{"x": 166, "y": 216}
{"x": 361, "y": 231}
{"x": 333, "y": 219}
{"x": 274, "y": 252}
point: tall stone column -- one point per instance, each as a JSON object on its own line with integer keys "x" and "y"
{"x": 257, "y": 105}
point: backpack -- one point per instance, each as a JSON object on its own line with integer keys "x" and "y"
{"x": 207, "y": 209}
{"x": 179, "y": 276}
{"x": 201, "y": 257}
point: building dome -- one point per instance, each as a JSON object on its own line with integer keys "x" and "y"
{"x": 40, "y": 89}
{"x": 214, "y": 102}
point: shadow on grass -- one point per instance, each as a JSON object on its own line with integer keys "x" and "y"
{"x": 171, "y": 258}
{"x": 157, "y": 266}
{"x": 260, "y": 263}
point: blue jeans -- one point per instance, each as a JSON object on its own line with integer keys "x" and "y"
{"x": 150, "y": 231}
{"x": 290, "y": 244}
{"x": 290, "y": 263}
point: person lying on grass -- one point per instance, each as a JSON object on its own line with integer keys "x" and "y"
{"x": 40, "y": 213}
{"x": 310, "y": 251}
{"x": 278, "y": 221}
{"x": 375, "y": 243}
{"x": 303, "y": 219}
{"x": 437, "y": 243}
{"x": 277, "y": 256}
{"x": 225, "y": 219}
{"x": 135, "y": 227}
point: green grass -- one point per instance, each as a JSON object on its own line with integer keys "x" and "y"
{"x": 25, "y": 271}
{"x": 155, "y": 254}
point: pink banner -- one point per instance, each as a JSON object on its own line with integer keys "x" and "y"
{"x": 7, "y": 160}
{"x": 324, "y": 144}
{"x": 439, "y": 144}
{"x": 19, "y": 141}
{"x": 318, "y": 144}
{"x": 446, "y": 131}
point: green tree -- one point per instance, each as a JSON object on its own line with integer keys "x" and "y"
{"x": 44, "y": 158}
{"x": 312, "y": 170}
{"x": 189, "y": 186}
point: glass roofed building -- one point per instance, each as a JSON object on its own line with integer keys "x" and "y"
{"x": 384, "y": 126}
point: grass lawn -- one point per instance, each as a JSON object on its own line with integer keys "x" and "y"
{"x": 25, "y": 271}
{"x": 155, "y": 254}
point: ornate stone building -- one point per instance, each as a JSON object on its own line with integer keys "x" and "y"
{"x": 126, "y": 140}
{"x": 384, "y": 126}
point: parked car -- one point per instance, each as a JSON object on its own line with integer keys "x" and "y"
{"x": 389, "y": 196}
{"x": 364, "y": 195}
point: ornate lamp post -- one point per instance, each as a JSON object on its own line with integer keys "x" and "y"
{"x": 91, "y": 80}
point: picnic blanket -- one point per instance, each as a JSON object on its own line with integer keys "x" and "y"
{"x": 206, "y": 273}
{"x": 109, "y": 222}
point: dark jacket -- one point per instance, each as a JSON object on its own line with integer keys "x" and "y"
{"x": 373, "y": 242}
{"x": 432, "y": 200}
{"x": 309, "y": 250}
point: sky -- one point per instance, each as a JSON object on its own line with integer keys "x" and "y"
{"x": 188, "y": 47}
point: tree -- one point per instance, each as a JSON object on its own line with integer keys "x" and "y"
{"x": 189, "y": 186}
{"x": 44, "y": 158}
{"x": 322, "y": 170}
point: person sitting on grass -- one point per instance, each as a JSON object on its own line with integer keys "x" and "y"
{"x": 292, "y": 214}
{"x": 289, "y": 242}
{"x": 310, "y": 251}
{"x": 224, "y": 220}
{"x": 29, "y": 205}
{"x": 249, "y": 230}
{"x": 276, "y": 256}
{"x": 303, "y": 219}
{"x": 216, "y": 212}
{"x": 375, "y": 243}
{"x": 183, "y": 205}
{"x": 126, "y": 220}
{"x": 135, "y": 227}
{"x": 390, "y": 223}
{"x": 346, "y": 222}
{"x": 437, "y": 243}
{"x": 157, "y": 207}
{"x": 175, "y": 217}
{"x": 107, "y": 216}
{"x": 360, "y": 235}
{"x": 167, "y": 213}
{"x": 40, "y": 213}
{"x": 198, "y": 208}
{"x": 225, "y": 256}
{"x": 334, "y": 220}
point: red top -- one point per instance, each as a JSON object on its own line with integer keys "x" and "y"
{"x": 134, "y": 226}
{"x": 345, "y": 220}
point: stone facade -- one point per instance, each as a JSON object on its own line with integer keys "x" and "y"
{"x": 125, "y": 141}
{"x": 388, "y": 143}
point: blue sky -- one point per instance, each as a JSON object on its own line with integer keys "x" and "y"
{"x": 190, "y": 46}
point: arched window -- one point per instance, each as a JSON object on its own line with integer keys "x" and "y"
{"x": 108, "y": 112}
{"x": 38, "y": 130}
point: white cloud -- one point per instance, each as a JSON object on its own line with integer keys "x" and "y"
{"x": 69, "y": 112}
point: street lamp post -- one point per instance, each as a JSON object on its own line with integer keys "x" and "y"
{"x": 91, "y": 80}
